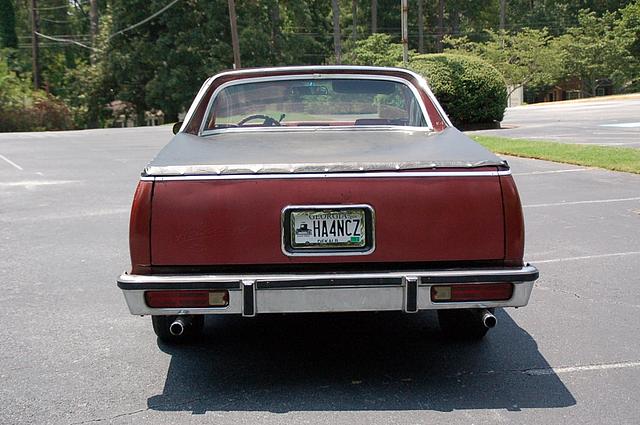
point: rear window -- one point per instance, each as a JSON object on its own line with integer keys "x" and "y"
{"x": 315, "y": 102}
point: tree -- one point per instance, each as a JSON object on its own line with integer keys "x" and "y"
{"x": 376, "y": 50}
{"x": 525, "y": 58}
{"x": 336, "y": 30}
{"x": 596, "y": 50}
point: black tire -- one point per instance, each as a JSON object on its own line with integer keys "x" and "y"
{"x": 462, "y": 324}
{"x": 192, "y": 331}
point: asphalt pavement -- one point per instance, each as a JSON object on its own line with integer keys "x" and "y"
{"x": 70, "y": 353}
{"x": 609, "y": 121}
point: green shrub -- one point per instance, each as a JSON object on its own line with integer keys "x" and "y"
{"x": 22, "y": 109}
{"x": 42, "y": 112}
{"x": 469, "y": 89}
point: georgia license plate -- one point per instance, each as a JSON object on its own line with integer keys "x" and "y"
{"x": 328, "y": 229}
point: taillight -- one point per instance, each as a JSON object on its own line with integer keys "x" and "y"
{"x": 140, "y": 227}
{"x": 472, "y": 292}
{"x": 188, "y": 298}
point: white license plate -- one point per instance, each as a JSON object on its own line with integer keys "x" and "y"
{"x": 328, "y": 228}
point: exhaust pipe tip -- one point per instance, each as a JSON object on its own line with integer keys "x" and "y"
{"x": 178, "y": 326}
{"x": 488, "y": 319}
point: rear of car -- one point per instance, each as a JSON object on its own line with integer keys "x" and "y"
{"x": 363, "y": 199}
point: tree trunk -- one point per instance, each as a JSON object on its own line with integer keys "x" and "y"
{"x": 420, "y": 26}
{"x": 374, "y": 16}
{"x": 440, "y": 25}
{"x": 234, "y": 35}
{"x": 354, "y": 12}
{"x": 503, "y": 6}
{"x": 275, "y": 29}
{"x": 35, "y": 48}
{"x": 93, "y": 19}
{"x": 336, "y": 30}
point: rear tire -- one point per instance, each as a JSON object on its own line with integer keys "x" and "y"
{"x": 161, "y": 326}
{"x": 462, "y": 324}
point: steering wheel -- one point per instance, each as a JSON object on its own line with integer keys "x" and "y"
{"x": 268, "y": 121}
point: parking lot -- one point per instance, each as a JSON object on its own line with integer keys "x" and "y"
{"x": 70, "y": 353}
{"x": 610, "y": 121}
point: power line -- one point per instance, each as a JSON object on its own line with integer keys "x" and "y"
{"x": 63, "y": 40}
{"x": 145, "y": 20}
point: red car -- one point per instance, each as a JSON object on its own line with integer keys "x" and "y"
{"x": 323, "y": 189}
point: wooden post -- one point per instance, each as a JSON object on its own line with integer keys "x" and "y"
{"x": 354, "y": 13}
{"x": 374, "y": 16}
{"x": 234, "y": 35}
{"x": 336, "y": 31}
{"x": 440, "y": 25}
{"x": 35, "y": 48}
{"x": 93, "y": 20}
{"x": 420, "y": 26}
{"x": 405, "y": 32}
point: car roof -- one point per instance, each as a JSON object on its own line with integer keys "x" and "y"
{"x": 279, "y": 70}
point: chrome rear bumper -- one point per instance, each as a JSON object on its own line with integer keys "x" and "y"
{"x": 407, "y": 291}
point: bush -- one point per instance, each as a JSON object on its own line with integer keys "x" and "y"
{"x": 43, "y": 112}
{"x": 22, "y": 109}
{"x": 470, "y": 90}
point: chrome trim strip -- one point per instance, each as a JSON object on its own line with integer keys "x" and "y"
{"x": 357, "y": 175}
{"x": 327, "y": 253}
{"x": 519, "y": 274}
{"x": 318, "y": 76}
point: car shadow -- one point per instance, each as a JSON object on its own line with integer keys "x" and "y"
{"x": 356, "y": 361}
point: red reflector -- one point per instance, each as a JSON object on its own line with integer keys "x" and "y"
{"x": 194, "y": 299}
{"x": 472, "y": 292}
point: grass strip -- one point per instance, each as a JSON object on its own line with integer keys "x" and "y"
{"x": 610, "y": 158}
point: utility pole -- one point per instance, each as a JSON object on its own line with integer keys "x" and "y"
{"x": 420, "y": 26}
{"x": 234, "y": 35}
{"x": 336, "y": 31}
{"x": 503, "y": 6}
{"x": 35, "y": 48}
{"x": 440, "y": 25}
{"x": 374, "y": 16}
{"x": 405, "y": 32}
{"x": 354, "y": 13}
{"x": 93, "y": 19}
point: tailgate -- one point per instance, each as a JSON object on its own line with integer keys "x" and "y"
{"x": 227, "y": 221}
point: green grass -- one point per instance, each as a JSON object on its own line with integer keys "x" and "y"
{"x": 610, "y": 158}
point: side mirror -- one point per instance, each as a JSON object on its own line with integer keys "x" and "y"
{"x": 176, "y": 127}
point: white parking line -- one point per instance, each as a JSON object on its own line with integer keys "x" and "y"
{"x": 598, "y": 201}
{"x": 585, "y": 257}
{"x": 535, "y": 173}
{"x": 28, "y": 184}
{"x": 622, "y": 125}
{"x": 570, "y": 369}
{"x": 10, "y": 162}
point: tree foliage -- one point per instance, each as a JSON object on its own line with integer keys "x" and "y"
{"x": 529, "y": 57}
{"x": 376, "y": 50}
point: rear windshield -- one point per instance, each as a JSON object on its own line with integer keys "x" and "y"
{"x": 315, "y": 102}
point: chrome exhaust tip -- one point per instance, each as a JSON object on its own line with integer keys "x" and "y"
{"x": 488, "y": 319}
{"x": 179, "y": 325}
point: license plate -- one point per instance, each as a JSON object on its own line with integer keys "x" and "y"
{"x": 345, "y": 228}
